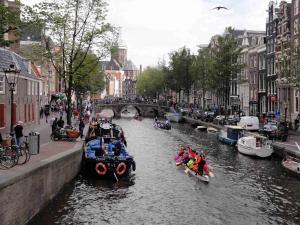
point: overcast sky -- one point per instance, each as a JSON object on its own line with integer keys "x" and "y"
{"x": 153, "y": 28}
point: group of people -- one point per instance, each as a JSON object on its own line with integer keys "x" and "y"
{"x": 192, "y": 159}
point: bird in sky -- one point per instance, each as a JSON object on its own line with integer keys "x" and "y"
{"x": 220, "y": 7}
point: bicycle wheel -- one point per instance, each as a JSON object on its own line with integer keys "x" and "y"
{"x": 9, "y": 158}
{"x": 25, "y": 150}
{"x": 22, "y": 156}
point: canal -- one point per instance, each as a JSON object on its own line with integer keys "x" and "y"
{"x": 244, "y": 190}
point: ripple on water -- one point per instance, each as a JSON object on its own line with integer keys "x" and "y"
{"x": 244, "y": 191}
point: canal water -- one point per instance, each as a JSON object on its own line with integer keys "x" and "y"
{"x": 244, "y": 191}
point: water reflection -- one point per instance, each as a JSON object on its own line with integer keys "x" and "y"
{"x": 245, "y": 190}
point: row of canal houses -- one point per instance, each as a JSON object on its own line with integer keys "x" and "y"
{"x": 262, "y": 86}
{"x": 37, "y": 79}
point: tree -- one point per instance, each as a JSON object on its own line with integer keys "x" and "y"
{"x": 179, "y": 76}
{"x": 226, "y": 64}
{"x": 76, "y": 28}
{"x": 151, "y": 82}
{"x": 202, "y": 70}
{"x": 89, "y": 78}
{"x": 9, "y": 22}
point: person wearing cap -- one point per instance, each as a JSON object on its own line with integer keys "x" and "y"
{"x": 19, "y": 132}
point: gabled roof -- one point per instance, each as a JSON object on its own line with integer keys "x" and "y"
{"x": 129, "y": 66}
{"x": 113, "y": 65}
{"x": 8, "y": 57}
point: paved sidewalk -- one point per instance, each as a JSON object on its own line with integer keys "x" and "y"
{"x": 48, "y": 148}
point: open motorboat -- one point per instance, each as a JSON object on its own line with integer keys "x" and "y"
{"x": 255, "y": 146}
{"x": 201, "y": 128}
{"x": 292, "y": 165}
{"x": 231, "y": 135}
{"x": 211, "y": 130}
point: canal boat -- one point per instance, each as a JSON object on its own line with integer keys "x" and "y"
{"x": 203, "y": 177}
{"x": 162, "y": 125}
{"x": 292, "y": 165}
{"x": 211, "y": 130}
{"x": 257, "y": 146}
{"x": 105, "y": 151}
{"x": 231, "y": 135}
{"x": 201, "y": 128}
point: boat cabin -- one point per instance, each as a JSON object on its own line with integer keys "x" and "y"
{"x": 234, "y": 132}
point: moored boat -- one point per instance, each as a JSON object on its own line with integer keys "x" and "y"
{"x": 201, "y": 128}
{"x": 231, "y": 135}
{"x": 257, "y": 146}
{"x": 105, "y": 151}
{"x": 211, "y": 130}
{"x": 162, "y": 125}
{"x": 292, "y": 165}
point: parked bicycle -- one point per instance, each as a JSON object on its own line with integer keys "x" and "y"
{"x": 8, "y": 157}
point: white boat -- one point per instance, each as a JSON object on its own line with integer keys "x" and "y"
{"x": 204, "y": 178}
{"x": 212, "y": 130}
{"x": 174, "y": 116}
{"x": 292, "y": 165}
{"x": 201, "y": 128}
{"x": 255, "y": 146}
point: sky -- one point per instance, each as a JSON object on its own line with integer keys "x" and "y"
{"x": 151, "y": 29}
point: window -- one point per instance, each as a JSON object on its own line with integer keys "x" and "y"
{"x": 28, "y": 87}
{"x": 2, "y": 84}
{"x": 296, "y": 7}
{"x": 32, "y": 88}
{"x": 2, "y": 115}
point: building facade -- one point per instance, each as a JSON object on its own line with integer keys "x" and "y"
{"x": 262, "y": 77}
{"x": 26, "y": 103}
{"x": 271, "y": 33}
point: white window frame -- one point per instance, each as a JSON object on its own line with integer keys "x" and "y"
{"x": 28, "y": 87}
{"x": 2, "y": 80}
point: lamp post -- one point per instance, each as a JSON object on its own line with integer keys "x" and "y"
{"x": 11, "y": 75}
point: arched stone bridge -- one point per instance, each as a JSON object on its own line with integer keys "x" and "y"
{"x": 145, "y": 110}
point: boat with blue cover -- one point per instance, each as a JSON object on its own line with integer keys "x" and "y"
{"x": 105, "y": 151}
{"x": 231, "y": 135}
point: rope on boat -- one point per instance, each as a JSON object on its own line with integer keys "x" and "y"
{"x": 116, "y": 177}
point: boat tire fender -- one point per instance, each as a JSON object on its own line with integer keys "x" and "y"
{"x": 121, "y": 168}
{"x": 101, "y": 168}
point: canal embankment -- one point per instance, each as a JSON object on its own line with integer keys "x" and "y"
{"x": 26, "y": 189}
{"x": 281, "y": 149}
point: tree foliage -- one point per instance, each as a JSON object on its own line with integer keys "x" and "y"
{"x": 9, "y": 22}
{"x": 76, "y": 27}
{"x": 151, "y": 82}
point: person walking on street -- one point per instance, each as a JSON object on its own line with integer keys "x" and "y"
{"x": 47, "y": 113}
{"x": 41, "y": 113}
{"x": 19, "y": 133}
{"x": 81, "y": 127}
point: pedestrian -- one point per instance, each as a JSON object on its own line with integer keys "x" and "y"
{"x": 19, "y": 132}
{"x": 46, "y": 113}
{"x": 54, "y": 125}
{"x": 81, "y": 127}
{"x": 41, "y": 113}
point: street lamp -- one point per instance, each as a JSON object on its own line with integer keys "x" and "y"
{"x": 11, "y": 75}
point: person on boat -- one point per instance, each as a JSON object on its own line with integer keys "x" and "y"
{"x": 180, "y": 153}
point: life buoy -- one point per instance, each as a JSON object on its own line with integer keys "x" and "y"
{"x": 101, "y": 168}
{"x": 121, "y": 168}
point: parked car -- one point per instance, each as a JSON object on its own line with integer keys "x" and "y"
{"x": 275, "y": 131}
{"x": 232, "y": 119}
{"x": 220, "y": 120}
{"x": 249, "y": 123}
{"x": 197, "y": 114}
{"x": 208, "y": 116}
